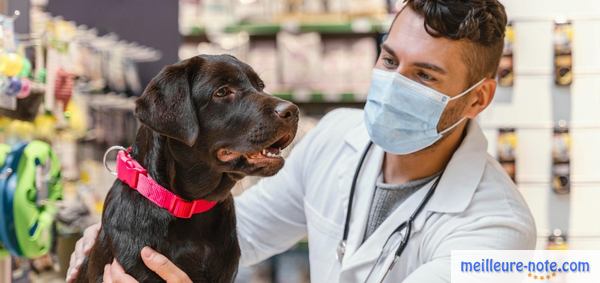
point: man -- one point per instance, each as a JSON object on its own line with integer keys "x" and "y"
{"x": 434, "y": 76}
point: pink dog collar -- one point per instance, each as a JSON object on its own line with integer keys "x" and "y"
{"x": 133, "y": 174}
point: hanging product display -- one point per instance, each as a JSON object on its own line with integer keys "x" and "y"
{"x": 507, "y": 145}
{"x": 78, "y": 56}
{"x": 29, "y": 188}
{"x": 563, "y": 55}
{"x": 112, "y": 120}
{"x": 11, "y": 63}
{"x": 63, "y": 87}
{"x": 506, "y": 74}
{"x": 300, "y": 57}
{"x": 15, "y": 69}
{"x": 561, "y": 161}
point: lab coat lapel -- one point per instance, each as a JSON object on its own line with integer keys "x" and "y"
{"x": 357, "y": 140}
{"x": 363, "y": 196}
{"x": 368, "y": 252}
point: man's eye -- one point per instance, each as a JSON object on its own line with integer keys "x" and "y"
{"x": 389, "y": 62}
{"x": 426, "y": 77}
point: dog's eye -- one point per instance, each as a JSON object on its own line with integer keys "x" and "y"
{"x": 223, "y": 91}
{"x": 261, "y": 85}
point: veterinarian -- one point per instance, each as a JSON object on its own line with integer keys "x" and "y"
{"x": 388, "y": 193}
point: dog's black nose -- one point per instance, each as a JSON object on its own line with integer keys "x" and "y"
{"x": 286, "y": 110}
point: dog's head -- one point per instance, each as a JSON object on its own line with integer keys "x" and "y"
{"x": 213, "y": 109}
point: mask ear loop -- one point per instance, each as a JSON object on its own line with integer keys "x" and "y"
{"x": 468, "y": 90}
{"x": 453, "y": 126}
{"x": 457, "y": 97}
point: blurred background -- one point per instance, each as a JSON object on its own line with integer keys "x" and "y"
{"x": 70, "y": 71}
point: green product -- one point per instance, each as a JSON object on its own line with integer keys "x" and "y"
{"x": 4, "y": 150}
{"x": 40, "y": 76}
{"x": 26, "y": 70}
{"x": 3, "y": 252}
{"x": 33, "y": 217}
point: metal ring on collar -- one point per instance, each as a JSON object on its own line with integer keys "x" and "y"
{"x": 111, "y": 149}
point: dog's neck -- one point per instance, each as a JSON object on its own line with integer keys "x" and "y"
{"x": 198, "y": 180}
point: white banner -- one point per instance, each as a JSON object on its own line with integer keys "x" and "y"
{"x": 495, "y": 266}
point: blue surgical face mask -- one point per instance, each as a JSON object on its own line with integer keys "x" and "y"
{"x": 402, "y": 115}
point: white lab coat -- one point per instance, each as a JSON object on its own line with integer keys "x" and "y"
{"x": 476, "y": 206}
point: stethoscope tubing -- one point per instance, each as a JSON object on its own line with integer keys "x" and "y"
{"x": 408, "y": 224}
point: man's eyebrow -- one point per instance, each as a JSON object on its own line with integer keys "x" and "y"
{"x": 388, "y": 49}
{"x": 431, "y": 67}
{"x": 423, "y": 65}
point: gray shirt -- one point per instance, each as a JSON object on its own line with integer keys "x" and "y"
{"x": 388, "y": 197}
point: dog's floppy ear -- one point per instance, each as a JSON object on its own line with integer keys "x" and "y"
{"x": 166, "y": 105}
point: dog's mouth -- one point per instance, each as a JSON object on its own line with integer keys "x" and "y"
{"x": 264, "y": 156}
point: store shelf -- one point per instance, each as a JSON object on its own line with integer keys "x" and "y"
{"x": 320, "y": 98}
{"x": 323, "y": 28}
{"x": 317, "y": 104}
{"x": 269, "y": 30}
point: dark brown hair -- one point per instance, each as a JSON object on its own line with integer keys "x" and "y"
{"x": 480, "y": 23}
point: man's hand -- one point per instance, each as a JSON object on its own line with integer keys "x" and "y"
{"x": 82, "y": 249}
{"x": 114, "y": 273}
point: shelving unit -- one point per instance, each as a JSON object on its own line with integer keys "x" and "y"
{"x": 316, "y": 103}
{"x": 270, "y": 30}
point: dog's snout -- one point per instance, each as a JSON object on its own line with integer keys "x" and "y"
{"x": 286, "y": 110}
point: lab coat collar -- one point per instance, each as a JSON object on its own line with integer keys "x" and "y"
{"x": 462, "y": 175}
{"x": 358, "y": 137}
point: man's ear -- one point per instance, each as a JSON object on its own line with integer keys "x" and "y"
{"x": 482, "y": 98}
{"x": 166, "y": 105}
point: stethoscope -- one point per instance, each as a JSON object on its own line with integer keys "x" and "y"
{"x": 406, "y": 225}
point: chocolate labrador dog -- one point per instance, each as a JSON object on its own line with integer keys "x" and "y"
{"x": 206, "y": 123}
